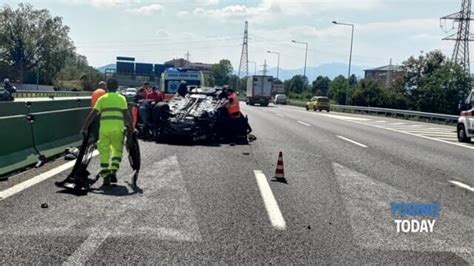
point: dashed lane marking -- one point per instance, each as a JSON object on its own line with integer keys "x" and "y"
{"x": 462, "y": 185}
{"x": 353, "y": 142}
{"x": 303, "y": 123}
{"x": 271, "y": 205}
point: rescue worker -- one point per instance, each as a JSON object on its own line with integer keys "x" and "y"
{"x": 141, "y": 94}
{"x": 155, "y": 95}
{"x": 100, "y": 91}
{"x": 114, "y": 115}
{"x": 233, "y": 106}
{"x": 183, "y": 88}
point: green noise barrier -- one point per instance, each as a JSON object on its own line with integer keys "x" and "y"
{"x": 23, "y": 108}
{"x": 24, "y": 139}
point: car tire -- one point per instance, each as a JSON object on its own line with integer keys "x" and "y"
{"x": 307, "y": 108}
{"x": 462, "y": 137}
{"x": 314, "y": 109}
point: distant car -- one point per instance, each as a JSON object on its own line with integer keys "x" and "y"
{"x": 280, "y": 99}
{"x": 130, "y": 92}
{"x": 465, "y": 128}
{"x": 319, "y": 103}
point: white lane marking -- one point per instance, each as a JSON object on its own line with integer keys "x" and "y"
{"x": 421, "y": 136}
{"x": 303, "y": 123}
{"x": 37, "y": 179}
{"x": 87, "y": 248}
{"x": 282, "y": 116}
{"x": 414, "y": 134}
{"x": 348, "y": 118}
{"x": 352, "y": 141}
{"x": 459, "y": 184}
{"x": 274, "y": 213}
{"x": 381, "y": 121}
{"x": 398, "y": 124}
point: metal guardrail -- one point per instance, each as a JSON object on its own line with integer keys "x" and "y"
{"x": 388, "y": 112}
{"x": 36, "y": 94}
{"x": 398, "y": 112}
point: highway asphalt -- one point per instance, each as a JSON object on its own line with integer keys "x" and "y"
{"x": 219, "y": 204}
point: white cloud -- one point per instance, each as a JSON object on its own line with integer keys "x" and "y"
{"x": 147, "y": 10}
{"x": 162, "y": 33}
{"x": 401, "y": 25}
{"x": 103, "y": 3}
{"x": 206, "y": 2}
{"x": 275, "y": 8}
{"x": 182, "y": 14}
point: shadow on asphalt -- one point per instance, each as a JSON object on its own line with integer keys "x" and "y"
{"x": 115, "y": 190}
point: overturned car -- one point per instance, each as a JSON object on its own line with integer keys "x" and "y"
{"x": 199, "y": 116}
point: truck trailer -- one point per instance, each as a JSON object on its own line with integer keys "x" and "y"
{"x": 259, "y": 90}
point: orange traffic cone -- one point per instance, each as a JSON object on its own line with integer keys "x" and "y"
{"x": 280, "y": 171}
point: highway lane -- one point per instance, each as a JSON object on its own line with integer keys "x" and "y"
{"x": 204, "y": 203}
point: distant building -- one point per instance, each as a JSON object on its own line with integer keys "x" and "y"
{"x": 385, "y": 75}
{"x": 181, "y": 62}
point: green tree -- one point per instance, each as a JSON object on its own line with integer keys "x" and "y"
{"x": 221, "y": 72}
{"x": 78, "y": 74}
{"x": 295, "y": 84}
{"x": 320, "y": 86}
{"x": 434, "y": 84}
{"x": 32, "y": 39}
{"x": 368, "y": 93}
{"x": 337, "y": 89}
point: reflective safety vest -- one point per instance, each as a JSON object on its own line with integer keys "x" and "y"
{"x": 111, "y": 106}
{"x": 233, "y": 106}
{"x": 96, "y": 95}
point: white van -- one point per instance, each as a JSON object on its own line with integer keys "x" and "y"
{"x": 280, "y": 99}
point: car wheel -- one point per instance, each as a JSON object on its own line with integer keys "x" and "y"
{"x": 314, "y": 108}
{"x": 328, "y": 110}
{"x": 462, "y": 137}
{"x": 307, "y": 108}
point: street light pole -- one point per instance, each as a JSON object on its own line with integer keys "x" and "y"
{"x": 278, "y": 64}
{"x": 305, "y": 56}
{"x": 350, "y": 55}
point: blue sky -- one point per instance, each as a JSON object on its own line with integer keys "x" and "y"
{"x": 155, "y": 31}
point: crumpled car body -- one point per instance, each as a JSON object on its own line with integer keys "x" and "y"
{"x": 199, "y": 116}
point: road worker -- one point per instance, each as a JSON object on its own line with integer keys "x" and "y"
{"x": 114, "y": 115}
{"x": 233, "y": 107}
{"x": 100, "y": 91}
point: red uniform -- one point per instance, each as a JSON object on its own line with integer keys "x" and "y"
{"x": 233, "y": 106}
{"x": 155, "y": 96}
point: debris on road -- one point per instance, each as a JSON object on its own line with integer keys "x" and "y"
{"x": 44, "y": 206}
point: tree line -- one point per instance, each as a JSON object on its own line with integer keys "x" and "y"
{"x": 35, "y": 47}
{"x": 427, "y": 83}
